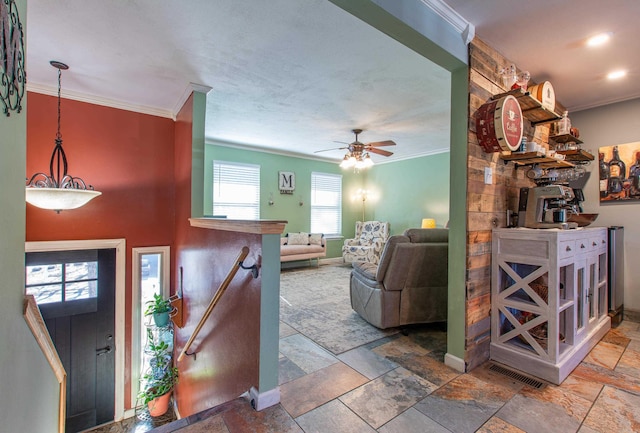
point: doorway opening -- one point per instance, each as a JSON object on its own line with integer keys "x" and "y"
{"x": 77, "y": 280}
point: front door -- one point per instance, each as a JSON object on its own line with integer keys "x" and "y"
{"x": 75, "y": 291}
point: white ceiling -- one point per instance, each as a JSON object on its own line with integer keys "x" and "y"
{"x": 546, "y": 38}
{"x": 287, "y": 75}
{"x": 295, "y": 76}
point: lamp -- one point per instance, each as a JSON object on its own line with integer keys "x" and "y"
{"x": 428, "y": 223}
{"x": 58, "y": 190}
{"x": 362, "y": 194}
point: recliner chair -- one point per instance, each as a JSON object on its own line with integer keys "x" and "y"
{"x": 368, "y": 242}
{"x": 409, "y": 285}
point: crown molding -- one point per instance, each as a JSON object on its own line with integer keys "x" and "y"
{"x": 91, "y": 99}
{"x": 312, "y": 157}
{"x": 188, "y": 90}
{"x": 465, "y": 28}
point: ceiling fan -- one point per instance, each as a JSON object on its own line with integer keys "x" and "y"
{"x": 358, "y": 153}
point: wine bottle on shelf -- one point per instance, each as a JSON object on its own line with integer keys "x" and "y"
{"x": 604, "y": 176}
{"x": 617, "y": 172}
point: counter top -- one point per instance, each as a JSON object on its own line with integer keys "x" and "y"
{"x": 243, "y": 226}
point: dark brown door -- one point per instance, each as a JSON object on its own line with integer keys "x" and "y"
{"x": 75, "y": 291}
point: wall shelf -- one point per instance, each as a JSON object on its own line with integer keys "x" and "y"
{"x": 531, "y": 108}
{"x": 576, "y": 155}
{"x": 531, "y": 158}
{"x": 565, "y": 138}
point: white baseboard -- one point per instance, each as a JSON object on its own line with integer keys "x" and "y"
{"x": 455, "y": 363}
{"x": 263, "y": 400}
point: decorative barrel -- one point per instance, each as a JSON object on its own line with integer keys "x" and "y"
{"x": 499, "y": 125}
{"x": 545, "y": 94}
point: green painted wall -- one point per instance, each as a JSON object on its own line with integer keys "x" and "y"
{"x": 404, "y": 192}
{"x": 286, "y": 206}
{"x": 401, "y": 199}
{"x": 457, "y": 317}
{"x": 29, "y": 401}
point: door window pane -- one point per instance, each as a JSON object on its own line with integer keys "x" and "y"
{"x": 46, "y": 294}
{"x": 65, "y": 279}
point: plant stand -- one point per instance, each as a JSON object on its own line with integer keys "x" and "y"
{"x": 157, "y": 336}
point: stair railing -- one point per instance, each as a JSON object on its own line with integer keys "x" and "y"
{"x": 238, "y": 263}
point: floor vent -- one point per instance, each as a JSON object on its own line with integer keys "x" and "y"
{"x": 517, "y": 376}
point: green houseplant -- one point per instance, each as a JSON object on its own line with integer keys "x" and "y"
{"x": 159, "y": 308}
{"x": 160, "y": 378}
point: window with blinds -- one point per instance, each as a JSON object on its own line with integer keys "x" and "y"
{"x": 326, "y": 203}
{"x": 236, "y": 190}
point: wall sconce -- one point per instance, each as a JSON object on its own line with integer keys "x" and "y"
{"x": 300, "y": 202}
{"x": 271, "y": 202}
{"x": 58, "y": 190}
{"x": 428, "y": 223}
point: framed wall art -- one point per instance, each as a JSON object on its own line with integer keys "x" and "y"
{"x": 619, "y": 168}
{"x": 286, "y": 182}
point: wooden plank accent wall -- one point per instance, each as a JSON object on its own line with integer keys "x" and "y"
{"x": 486, "y": 204}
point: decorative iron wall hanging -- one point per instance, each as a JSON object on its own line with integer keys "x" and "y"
{"x": 13, "y": 75}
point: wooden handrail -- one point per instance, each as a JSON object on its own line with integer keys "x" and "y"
{"x": 232, "y": 272}
{"x": 39, "y": 329}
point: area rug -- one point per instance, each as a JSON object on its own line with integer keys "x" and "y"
{"x": 315, "y": 302}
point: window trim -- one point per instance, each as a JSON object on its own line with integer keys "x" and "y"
{"x": 137, "y": 310}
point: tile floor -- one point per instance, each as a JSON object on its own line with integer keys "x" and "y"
{"x": 400, "y": 384}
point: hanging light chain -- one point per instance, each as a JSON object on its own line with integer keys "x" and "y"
{"x": 59, "y": 135}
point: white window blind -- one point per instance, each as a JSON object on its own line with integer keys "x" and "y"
{"x": 326, "y": 203}
{"x": 236, "y": 190}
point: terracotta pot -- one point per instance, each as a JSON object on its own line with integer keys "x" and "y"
{"x": 159, "y": 405}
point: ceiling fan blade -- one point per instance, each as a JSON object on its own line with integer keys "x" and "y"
{"x": 341, "y": 142}
{"x": 382, "y": 143}
{"x": 379, "y": 151}
{"x": 327, "y": 150}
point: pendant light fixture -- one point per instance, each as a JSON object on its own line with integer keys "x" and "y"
{"x": 58, "y": 190}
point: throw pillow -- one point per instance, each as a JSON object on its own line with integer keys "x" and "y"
{"x": 301, "y": 238}
{"x": 315, "y": 239}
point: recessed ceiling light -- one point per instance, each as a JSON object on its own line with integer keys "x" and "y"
{"x": 616, "y": 74}
{"x": 599, "y": 39}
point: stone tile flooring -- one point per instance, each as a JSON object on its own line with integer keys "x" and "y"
{"x": 399, "y": 384}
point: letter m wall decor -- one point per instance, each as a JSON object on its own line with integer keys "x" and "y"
{"x": 286, "y": 182}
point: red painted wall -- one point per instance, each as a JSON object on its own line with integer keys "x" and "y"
{"x": 127, "y": 156}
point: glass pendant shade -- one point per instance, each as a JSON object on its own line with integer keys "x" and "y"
{"x": 58, "y": 190}
{"x": 58, "y": 198}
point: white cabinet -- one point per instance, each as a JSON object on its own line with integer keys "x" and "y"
{"x": 548, "y": 298}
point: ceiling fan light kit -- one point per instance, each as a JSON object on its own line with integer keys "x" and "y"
{"x": 357, "y": 156}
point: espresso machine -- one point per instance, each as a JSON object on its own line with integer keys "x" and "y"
{"x": 547, "y": 207}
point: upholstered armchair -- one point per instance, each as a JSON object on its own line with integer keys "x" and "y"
{"x": 409, "y": 285}
{"x": 368, "y": 242}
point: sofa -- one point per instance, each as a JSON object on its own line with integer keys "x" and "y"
{"x": 302, "y": 246}
{"x": 367, "y": 244}
{"x": 408, "y": 285}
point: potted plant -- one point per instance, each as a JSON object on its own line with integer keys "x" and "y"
{"x": 160, "y": 309}
{"x": 160, "y": 379}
